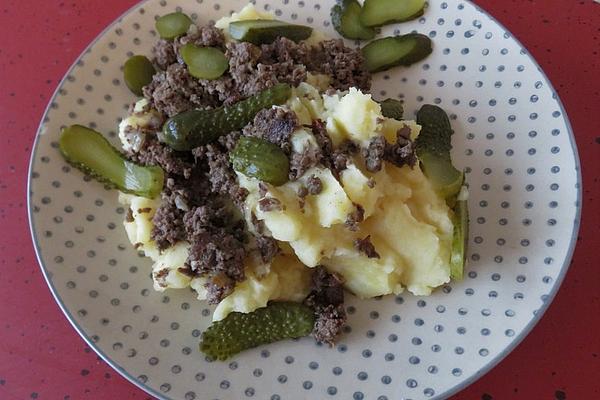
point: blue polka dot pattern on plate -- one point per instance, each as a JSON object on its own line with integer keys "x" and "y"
{"x": 511, "y": 137}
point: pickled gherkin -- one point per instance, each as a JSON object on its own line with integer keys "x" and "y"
{"x": 257, "y": 158}
{"x": 240, "y": 331}
{"x": 265, "y": 31}
{"x": 88, "y": 151}
{"x": 198, "y": 127}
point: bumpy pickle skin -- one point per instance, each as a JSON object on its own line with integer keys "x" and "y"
{"x": 240, "y": 331}
{"x": 392, "y": 108}
{"x": 433, "y": 149}
{"x": 88, "y": 151}
{"x": 257, "y": 158}
{"x": 199, "y": 127}
{"x": 262, "y": 31}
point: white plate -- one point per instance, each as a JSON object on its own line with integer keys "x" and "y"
{"x": 512, "y": 136}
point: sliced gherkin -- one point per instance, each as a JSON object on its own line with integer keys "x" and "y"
{"x": 88, "y": 151}
{"x": 385, "y": 53}
{"x": 265, "y": 31}
{"x": 241, "y": 331}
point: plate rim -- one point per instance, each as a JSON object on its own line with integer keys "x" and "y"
{"x": 443, "y": 395}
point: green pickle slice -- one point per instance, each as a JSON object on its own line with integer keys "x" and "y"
{"x": 241, "y": 331}
{"x": 345, "y": 18}
{"x": 382, "y": 12}
{"x": 172, "y": 25}
{"x": 204, "y": 62}
{"x": 264, "y": 31}
{"x": 137, "y": 73}
{"x": 88, "y": 151}
{"x": 385, "y": 53}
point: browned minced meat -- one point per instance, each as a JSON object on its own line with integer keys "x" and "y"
{"x": 314, "y": 185}
{"x": 274, "y": 125}
{"x": 326, "y": 297}
{"x": 355, "y": 217}
{"x": 374, "y": 154}
{"x": 400, "y": 153}
{"x": 302, "y": 162}
{"x": 267, "y": 247}
{"x": 154, "y": 152}
{"x": 403, "y": 151}
{"x": 165, "y": 52}
{"x": 344, "y": 65}
{"x": 218, "y": 288}
{"x": 168, "y": 227}
{"x": 220, "y": 173}
{"x": 174, "y": 91}
{"x": 269, "y": 204}
{"x": 340, "y": 157}
{"x": 366, "y": 246}
{"x": 251, "y": 70}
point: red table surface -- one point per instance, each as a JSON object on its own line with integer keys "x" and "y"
{"x": 42, "y": 357}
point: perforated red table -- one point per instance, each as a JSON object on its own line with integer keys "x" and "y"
{"x": 42, "y": 357}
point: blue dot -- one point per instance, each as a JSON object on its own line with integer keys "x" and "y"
{"x": 337, "y": 371}
{"x": 411, "y": 383}
{"x": 436, "y": 348}
{"x": 358, "y": 396}
{"x": 389, "y": 357}
{"x": 367, "y": 353}
{"x": 457, "y": 372}
{"x": 419, "y": 322}
{"x": 289, "y": 359}
{"x": 555, "y": 150}
{"x": 414, "y": 360}
{"x": 416, "y": 341}
{"x": 249, "y": 392}
{"x": 342, "y": 348}
{"x": 449, "y": 34}
{"x": 362, "y": 376}
{"x": 432, "y": 369}
{"x": 396, "y": 318}
{"x": 282, "y": 379}
{"x": 331, "y": 390}
{"x": 386, "y": 380}
{"x": 393, "y": 338}
{"x": 313, "y": 365}
{"x": 224, "y": 385}
{"x": 307, "y": 385}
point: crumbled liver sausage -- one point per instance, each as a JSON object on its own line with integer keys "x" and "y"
{"x": 168, "y": 227}
{"x": 164, "y": 54}
{"x": 174, "y": 91}
{"x": 314, "y": 185}
{"x": 129, "y": 215}
{"x": 186, "y": 271}
{"x": 320, "y": 133}
{"x": 302, "y": 162}
{"x": 217, "y": 291}
{"x": 204, "y": 36}
{"x": 328, "y": 324}
{"x": 153, "y": 152}
{"x": 205, "y": 218}
{"x": 327, "y": 299}
{"x": 275, "y": 125}
{"x": 268, "y": 247}
{"x": 403, "y": 151}
{"x": 400, "y": 153}
{"x": 339, "y": 158}
{"x": 375, "y": 153}
{"x": 325, "y": 288}
{"x": 354, "y": 218}
{"x": 217, "y": 252}
{"x": 345, "y": 65}
{"x": 366, "y": 246}
{"x": 269, "y": 204}
{"x": 229, "y": 141}
{"x": 221, "y": 175}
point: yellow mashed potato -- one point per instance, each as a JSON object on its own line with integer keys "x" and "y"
{"x": 408, "y": 223}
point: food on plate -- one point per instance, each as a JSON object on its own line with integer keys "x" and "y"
{"x": 345, "y": 18}
{"x": 382, "y": 12}
{"x": 265, "y": 31}
{"x": 90, "y": 152}
{"x": 258, "y": 170}
{"x": 383, "y": 54}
